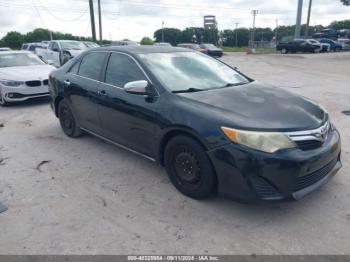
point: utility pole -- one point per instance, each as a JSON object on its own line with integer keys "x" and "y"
{"x": 236, "y": 34}
{"x": 298, "y": 22}
{"x": 254, "y": 13}
{"x": 163, "y": 31}
{"x": 276, "y": 31}
{"x": 92, "y": 17}
{"x": 308, "y": 19}
{"x": 100, "y": 20}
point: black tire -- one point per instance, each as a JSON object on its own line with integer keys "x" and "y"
{"x": 67, "y": 120}
{"x": 2, "y": 100}
{"x": 189, "y": 168}
{"x": 284, "y": 51}
{"x": 337, "y": 49}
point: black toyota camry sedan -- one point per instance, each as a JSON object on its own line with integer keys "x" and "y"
{"x": 214, "y": 129}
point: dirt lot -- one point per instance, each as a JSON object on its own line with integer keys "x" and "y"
{"x": 89, "y": 197}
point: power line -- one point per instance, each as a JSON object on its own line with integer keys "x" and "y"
{"x": 36, "y": 9}
{"x": 59, "y": 18}
{"x": 82, "y": 11}
{"x": 172, "y": 6}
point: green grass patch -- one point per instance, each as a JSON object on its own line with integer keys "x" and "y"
{"x": 235, "y": 49}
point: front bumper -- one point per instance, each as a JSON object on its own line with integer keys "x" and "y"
{"x": 251, "y": 175}
{"x": 17, "y": 94}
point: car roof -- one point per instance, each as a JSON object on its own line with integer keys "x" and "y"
{"x": 15, "y": 52}
{"x": 66, "y": 41}
{"x": 134, "y": 49}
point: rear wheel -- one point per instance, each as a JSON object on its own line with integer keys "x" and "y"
{"x": 68, "y": 120}
{"x": 189, "y": 168}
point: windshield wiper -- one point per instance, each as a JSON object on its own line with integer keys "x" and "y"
{"x": 230, "y": 84}
{"x": 189, "y": 90}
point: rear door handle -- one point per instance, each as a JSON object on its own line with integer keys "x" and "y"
{"x": 67, "y": 83}
{"x": 102, "y": 93}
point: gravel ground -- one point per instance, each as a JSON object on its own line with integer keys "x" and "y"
{"x": 84, "y": 196}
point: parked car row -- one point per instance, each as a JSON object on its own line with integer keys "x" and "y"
{"x": 24, "y": 74}
{"x": 58, "y": 52}
{"x": 208, "y": 49}
{"x": 309, "y": 46}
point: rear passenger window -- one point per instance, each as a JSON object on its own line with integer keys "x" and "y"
{"x": 91, "y": 65}
{"x": 122, "y": 69}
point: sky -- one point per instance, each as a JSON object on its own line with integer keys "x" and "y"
{"x": 134, "y": 19}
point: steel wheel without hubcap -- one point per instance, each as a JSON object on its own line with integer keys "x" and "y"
{"x": 67, "y": 120}
{"x": 189, "y": 167}
{"x": 186, "y": 166}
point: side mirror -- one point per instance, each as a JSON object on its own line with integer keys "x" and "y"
{"x": 55, "y": 49}
{"x": 136, "y": 87}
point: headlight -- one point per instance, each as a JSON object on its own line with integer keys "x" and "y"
{"x": 269, "y": 142}
{"x": 11, "y": 83}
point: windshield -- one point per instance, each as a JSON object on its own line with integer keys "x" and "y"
{"x": 209, "y": 46}
{"x": 9, "y": 60}
{"x": 91, "y": 44}
{"x": 184, "y": 71}
{"x": 73, "y": 45}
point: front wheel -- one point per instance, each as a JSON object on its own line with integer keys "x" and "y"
{"x": 189, "y": 168}
{"x": 284, "y": 51}
{"x": 68, "y": 120}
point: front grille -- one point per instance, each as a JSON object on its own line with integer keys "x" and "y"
{"x": 308, "y": 144}
{"x": 263, "y": 189}
{"x": 312, "y": 178}
{"x": 46, "y": 82}
{"x": 33, "y": 83}
{"x": 312, "y": 139}
{"x": 18, "y": 95}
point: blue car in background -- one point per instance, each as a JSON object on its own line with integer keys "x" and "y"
{"x": 336, "y": 47}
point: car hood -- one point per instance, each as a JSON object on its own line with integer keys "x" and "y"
{"x": 25, "y": 73}
{"x": 255, "y": 106}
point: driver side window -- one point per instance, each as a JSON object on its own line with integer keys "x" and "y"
{"x": 122, "y": 69}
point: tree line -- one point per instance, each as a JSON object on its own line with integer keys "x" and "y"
{"x": 228, "y": 36}
{"x": 175, "y": 36}
{"x": 15, "y": 39}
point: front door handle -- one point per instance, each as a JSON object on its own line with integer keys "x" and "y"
{"x": 102, "y": 93}
{"x": 67, "y": 83}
